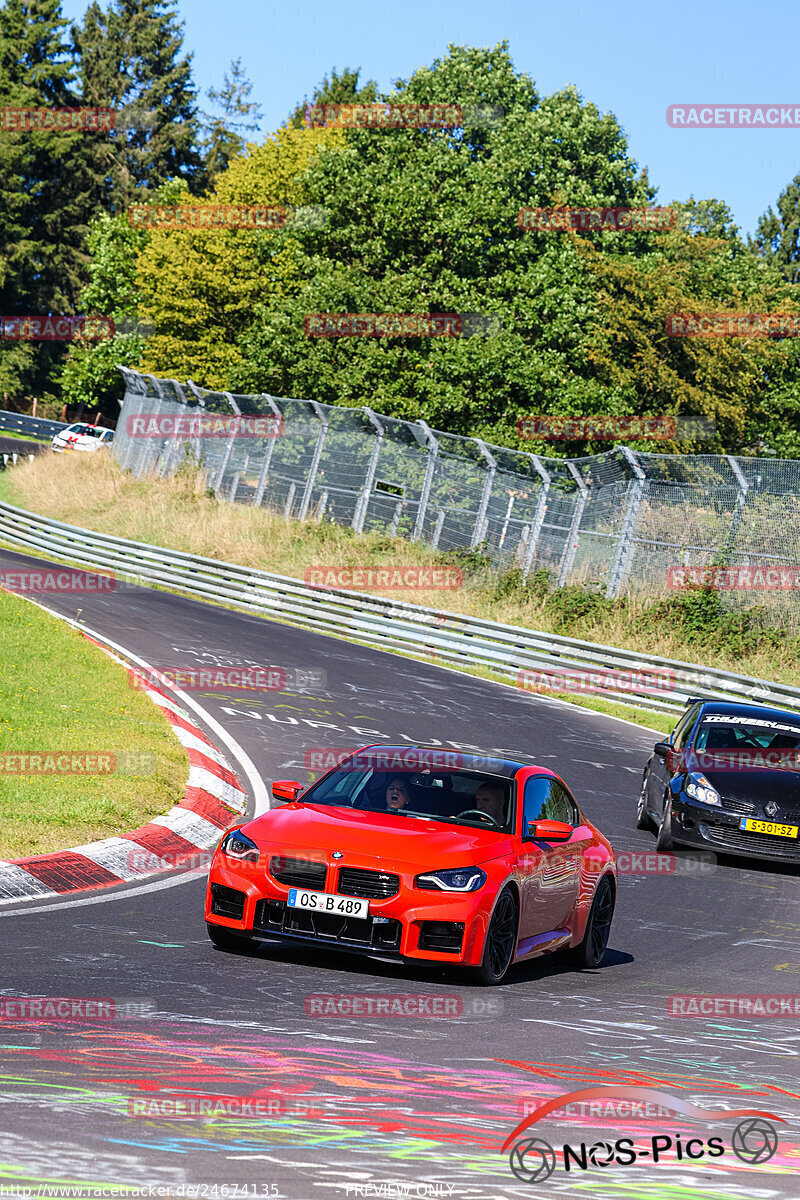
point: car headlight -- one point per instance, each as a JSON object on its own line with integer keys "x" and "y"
{"x": 239, "y": 846}
{"x": 462, "y": 879}
{"x": 699, "y": 788}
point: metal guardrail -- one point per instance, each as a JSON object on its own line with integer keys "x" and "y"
{"x": 388, "y": 624}
{"x": 35, "y": 426}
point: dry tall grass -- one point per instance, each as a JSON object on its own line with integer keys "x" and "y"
{"x": 90, "y": 490}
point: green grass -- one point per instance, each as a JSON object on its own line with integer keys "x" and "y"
{"x": 59, "y": 692}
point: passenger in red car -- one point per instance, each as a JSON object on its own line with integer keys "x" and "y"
{"x": 397, "y": 795}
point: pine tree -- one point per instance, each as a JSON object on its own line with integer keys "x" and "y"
{"x": 48, "y": 188}
{"x": 239, "y": 114}
{"x": 778, "y": 236}
{"x": 131, "y": 60}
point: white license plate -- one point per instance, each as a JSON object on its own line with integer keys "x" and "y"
{"x": 327, "y": 902}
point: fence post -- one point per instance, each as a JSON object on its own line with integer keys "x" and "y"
{"x": 360, "y": 514}
{"x": 478, "y": 534}
{"x": 264, "y": 472}
{"x": 226, "y": 457}
{"x": 172, "y": 451}
{"x": 396, "y": 515}
{"x": 430, "y": 467}
{"x": 437, "y": 532}
{"x": 623, "y": 559}
{"x": 312, "y": 470}
{"x": 571, "y": 547}
{"x": 741, "y": 500}
{"x": 195, "y": 442}
{"x": 504, "y": 530}
{"x": 538, "y": 517}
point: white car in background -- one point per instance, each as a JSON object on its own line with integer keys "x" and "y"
{"x": 81, "y": 436}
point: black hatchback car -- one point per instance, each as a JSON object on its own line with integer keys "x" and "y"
{"x": 727, "y": 779}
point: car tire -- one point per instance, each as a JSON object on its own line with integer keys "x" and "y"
{"x": 664, "y": 836}
{"x": 643, "y": 818}
{"x": 500, "y": 942}
{"x": 591, "y": 951}
{"x": 226, "y": 939}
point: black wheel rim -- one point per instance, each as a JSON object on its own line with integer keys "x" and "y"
{"x": 603, "y": 911}
{"x": 501, "y": 936}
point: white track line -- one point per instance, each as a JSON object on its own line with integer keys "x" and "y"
{"x": 124, "y": 893}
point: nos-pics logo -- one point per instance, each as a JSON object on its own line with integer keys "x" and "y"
{"x": 532, "y": 1159}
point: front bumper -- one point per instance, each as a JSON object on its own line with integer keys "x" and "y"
{"x": 431, "y": 926}
{"x": 713, "y": 828}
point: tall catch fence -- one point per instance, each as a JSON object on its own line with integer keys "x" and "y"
{"x": 624, "y": 518}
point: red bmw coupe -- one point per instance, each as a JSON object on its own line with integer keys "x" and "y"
{"x": 418, "y": 853}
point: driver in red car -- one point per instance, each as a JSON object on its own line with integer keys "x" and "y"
{"x": 489, "y": 798}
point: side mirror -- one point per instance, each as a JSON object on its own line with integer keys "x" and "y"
{"x": 662, "y": 749}
{"x": 550, "y": 831}
{"x": 286, "y": 789}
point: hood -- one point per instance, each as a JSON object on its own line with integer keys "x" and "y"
{"x": 759, "y": 787}
{"x": 386, "y": 839}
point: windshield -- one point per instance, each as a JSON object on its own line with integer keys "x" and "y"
{"x": 470, "y": 798}
{"x": 743, "y": 733}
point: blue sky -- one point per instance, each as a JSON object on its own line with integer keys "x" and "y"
{"x": 631, "y": 59}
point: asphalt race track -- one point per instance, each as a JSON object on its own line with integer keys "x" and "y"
{"x": 10, "y": 445}
{"x": 364, "y": 1103}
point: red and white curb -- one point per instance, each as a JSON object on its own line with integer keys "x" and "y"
{"x": 185, "y": 835}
